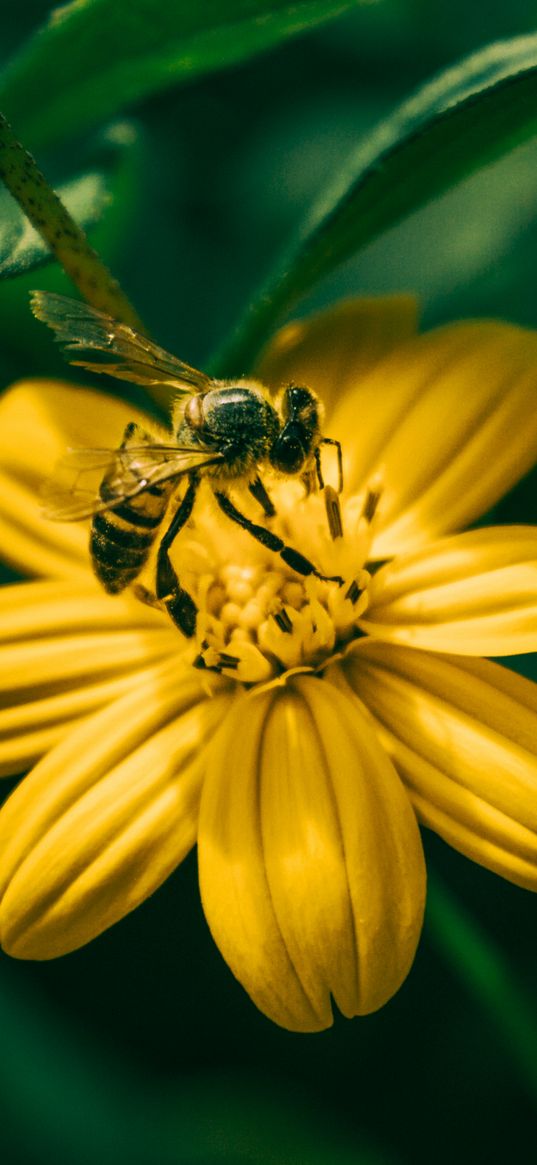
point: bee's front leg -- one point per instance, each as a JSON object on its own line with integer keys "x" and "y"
{"x": 258, "y": 491}
{"x": 179, "y": 604}
{"x": 311, "y": 478}
{"x": 272, "y": 541}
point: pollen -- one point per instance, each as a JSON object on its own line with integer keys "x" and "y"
{"x": 258, "y": 618}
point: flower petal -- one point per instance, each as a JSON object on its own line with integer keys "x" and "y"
{"x": 106, "y": 816}
{"x": 472, "y": 594}
{"x": 32, "y": 726}
{"x": 311, "y": 868}
{"x": 51, "y": 665}
{"x": 333, "y": 349}
{"x": 39, "y": 420}
{"x": 448, "y": 423}
{"x": 31, "y": 610}
{"x": 66, "y": 648}
{"x": 462, "y": 734}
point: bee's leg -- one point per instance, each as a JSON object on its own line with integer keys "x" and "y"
{"x": 318, "y": 468}
{"x": 267, "y": 538}
{"x": 310, "y": 478}
{"x": 179, "y": 604}
{"x": 260, "y": 494}
{"x": 330, "y": 441}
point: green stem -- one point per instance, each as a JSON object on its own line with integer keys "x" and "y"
{"x": 485, "y": 972}
{"x": 238, "y": 354}
{"x": 60, "y": 232}
{"x": 282, "y": 289}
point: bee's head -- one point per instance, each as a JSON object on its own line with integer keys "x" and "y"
{"x": 300, "y": 413}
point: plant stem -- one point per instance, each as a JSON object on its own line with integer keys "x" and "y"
{"x": 61, "y": 233}
{"x": 238, "y": 354}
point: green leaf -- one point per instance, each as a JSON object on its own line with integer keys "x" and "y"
{"x": 460, "y": 122}
{"x": 93, "y": 57}
{"x": 86, "y": 197}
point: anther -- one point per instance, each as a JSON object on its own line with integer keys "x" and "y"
{"x": 333, "y": 512}
{"x": 370, "y": 504}
{"x": 281, "y": 618}
{"x": 230, "y": 661}
{"x": 353, "y": 593}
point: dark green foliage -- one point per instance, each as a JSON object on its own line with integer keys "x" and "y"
{"x": 91, "y": 59}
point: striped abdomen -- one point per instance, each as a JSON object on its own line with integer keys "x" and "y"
{"x": 122, "y": 537}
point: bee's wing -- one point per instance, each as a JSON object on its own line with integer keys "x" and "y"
{"x": 75, "y": 490}
{"x": 80, "y": 328}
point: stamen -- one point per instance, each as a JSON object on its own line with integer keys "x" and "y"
{"x": 354, "y": 591}
{"x": 370, "y": 504}
{"x": 333, "y": 513}
{"x": 281, "y": 618}
{"x": 226, "y": 660}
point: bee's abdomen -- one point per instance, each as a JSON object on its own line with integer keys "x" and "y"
{"x": 122, "y": 536}
{"x": 120, "y": 543}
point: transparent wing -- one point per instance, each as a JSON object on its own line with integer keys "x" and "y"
{"x": 80, "y": 328}
{"x": 76, "y": 490}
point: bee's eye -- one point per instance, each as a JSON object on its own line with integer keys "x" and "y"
{"x": 194, "y": 416}
{"x": 289, "y": 452}
{"x": 308, "y": 414}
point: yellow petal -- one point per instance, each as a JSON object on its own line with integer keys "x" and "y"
{"x": 66, "y": 648}
{"x": 462, "y": 733}
{"x": 472, "y": 594}
{"x": 57, "y": 662}
{"x": 106, "y": 816}
{"x": 311, "y": 868}
{"x": 31, "y": 610}
{"x": 332, "y": 350}
{"x": 39, "y": 420}
{"x": 34, "y": 723}
{"x": 448, "y": 423}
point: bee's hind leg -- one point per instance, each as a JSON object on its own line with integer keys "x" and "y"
{"x": 179, "y": 604}
{"x": 267, "y": 538}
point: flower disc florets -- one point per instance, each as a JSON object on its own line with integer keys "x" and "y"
{"x": 257, "y": 618}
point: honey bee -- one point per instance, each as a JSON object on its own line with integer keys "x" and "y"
{"x": 224, "y": 431}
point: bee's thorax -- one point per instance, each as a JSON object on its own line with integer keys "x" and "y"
{"x": 236, "y": 421}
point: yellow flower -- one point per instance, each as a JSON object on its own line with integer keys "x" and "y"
{"x": 319, "y": 720}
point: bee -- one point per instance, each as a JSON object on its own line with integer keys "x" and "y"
{"x": 223, "y": 431}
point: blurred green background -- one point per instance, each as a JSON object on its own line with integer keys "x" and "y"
{"x": 142, "y": 1048}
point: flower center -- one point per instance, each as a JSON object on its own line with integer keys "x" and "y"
{"x": 258, "y": 618}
